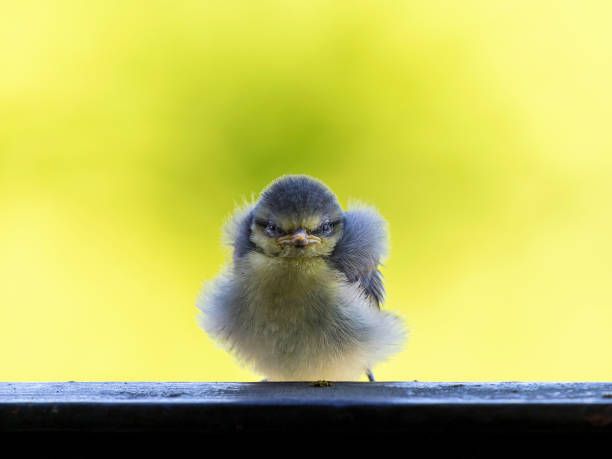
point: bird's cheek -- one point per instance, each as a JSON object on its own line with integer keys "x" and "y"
{"x": 266, "y": 244}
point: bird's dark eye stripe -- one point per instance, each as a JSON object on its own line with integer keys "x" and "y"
{"x": 270, "y": 228}
{"x": 327, "y": 227}
{"x": 331, "y": 224}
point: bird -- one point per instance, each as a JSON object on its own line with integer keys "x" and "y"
{"x": 301, "y": 298}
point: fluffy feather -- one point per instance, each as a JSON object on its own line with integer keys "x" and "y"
{"x": 360, "y": 250}
{"x": 237, "y": 231}
{"x": 304, "y": 318}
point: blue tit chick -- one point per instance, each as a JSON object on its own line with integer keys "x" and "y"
{"x": 301, "y": 299}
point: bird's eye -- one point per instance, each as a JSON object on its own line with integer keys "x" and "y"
{"x": 325, "y": 228}
{"x": 272, "y": 230}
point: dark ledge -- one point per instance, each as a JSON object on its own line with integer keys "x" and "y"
{"x": 292, "y": 407}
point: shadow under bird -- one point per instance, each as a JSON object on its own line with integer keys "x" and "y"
{"x": 301, "y": 299}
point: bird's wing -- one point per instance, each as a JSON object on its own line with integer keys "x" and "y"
{"x": 238, "y": 231}
{"x": 359, "y": 251}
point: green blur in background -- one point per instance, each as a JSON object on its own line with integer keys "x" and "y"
{"x": 481, "y": 130}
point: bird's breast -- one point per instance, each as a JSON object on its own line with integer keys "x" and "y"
{"x": 295, "y": 316}
{"x": 289, "y": 278}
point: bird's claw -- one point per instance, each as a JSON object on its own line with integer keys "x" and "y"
{"x": 321, "y": 383}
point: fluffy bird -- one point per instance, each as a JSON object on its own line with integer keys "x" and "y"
{"x": 301, "y": 299}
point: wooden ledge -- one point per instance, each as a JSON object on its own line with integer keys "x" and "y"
{"x": 294, "y": 407}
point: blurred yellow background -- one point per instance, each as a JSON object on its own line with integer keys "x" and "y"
{"x": 482, "y": 131}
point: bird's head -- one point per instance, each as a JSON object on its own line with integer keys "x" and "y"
{"x": 296, "y": 216}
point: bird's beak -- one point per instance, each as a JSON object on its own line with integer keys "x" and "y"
{"x": 299, "y": 239}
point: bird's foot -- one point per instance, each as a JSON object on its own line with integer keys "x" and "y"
{"x": 321, "y": 383}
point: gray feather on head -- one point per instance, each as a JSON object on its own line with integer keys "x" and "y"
{"x": 298, "y": 197}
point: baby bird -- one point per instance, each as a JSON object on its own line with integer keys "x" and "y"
{"x": 301, "y": 300}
